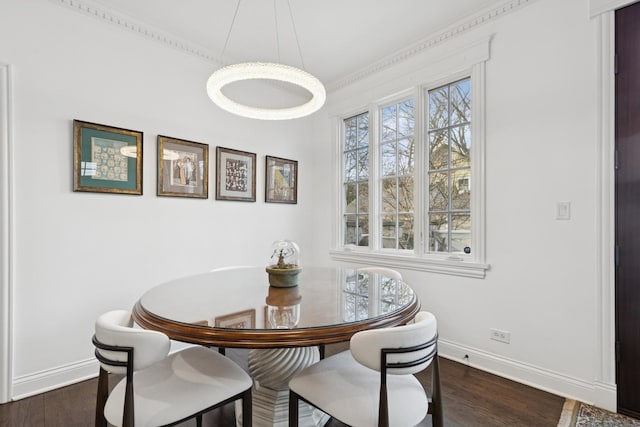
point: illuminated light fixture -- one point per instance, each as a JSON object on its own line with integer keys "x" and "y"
{"x": 266, "y": 71}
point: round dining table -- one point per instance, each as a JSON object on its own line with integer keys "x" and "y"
{"x": 285, "y": 328}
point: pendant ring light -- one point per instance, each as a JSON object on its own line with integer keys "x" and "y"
{"x": 265, "y": 71}
{"x": 268, "y": 71}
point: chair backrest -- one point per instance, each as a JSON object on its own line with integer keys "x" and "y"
{"x": 367, "y": 346}
{"x": 389, "y": 272}
{"x": 115, "y": 329}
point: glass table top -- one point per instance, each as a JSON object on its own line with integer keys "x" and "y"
{"x": 241, "y": 298}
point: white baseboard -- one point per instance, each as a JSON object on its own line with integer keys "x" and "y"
{"x": 605, "y": 396}
{"x": 598, "y": 394}
{"x": 50, "y": 379}
{"x": 595, "y": 393}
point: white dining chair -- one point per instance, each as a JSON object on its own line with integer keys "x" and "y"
{"x": 160, "y": 389}
{"x": 373, "y": 383}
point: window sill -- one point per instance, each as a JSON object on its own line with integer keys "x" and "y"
{"x": 443, "y": 266}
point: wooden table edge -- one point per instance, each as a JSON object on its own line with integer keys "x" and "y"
{"x": 268, "y": 338}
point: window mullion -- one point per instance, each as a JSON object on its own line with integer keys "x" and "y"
{"x": 477, "y": 184}
{"x": 420, "y": 161}
{"x": 375, "y": 203}
{"x": 449, "y": 174}
{"x": 397, "y": 166}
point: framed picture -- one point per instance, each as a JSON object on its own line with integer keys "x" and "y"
{"x": 281, "y": 180}
{"x": 240, "y": 320}
{"x": 106, "y": 159}
{"x": 235, "y": 175}
{"x": 183, "y": 168}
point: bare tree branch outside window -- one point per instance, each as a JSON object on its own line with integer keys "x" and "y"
{"x": 356, "y": 180}
{"x": 449, "y": 139}
{"x": 397, "y": 174}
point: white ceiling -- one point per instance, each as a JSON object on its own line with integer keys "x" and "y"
{"x": 336, "y": 37}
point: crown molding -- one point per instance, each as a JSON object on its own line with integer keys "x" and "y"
{"x": 463, "y": 26}
{"x": 597, "y": 7}
{"x": 125, "y": 22}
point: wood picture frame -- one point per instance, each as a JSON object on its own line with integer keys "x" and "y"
{"x": 281, "y": 180}
{"x": 240, "y": 320}
{"x": 107, "y": 159}
{"x": 235, "y": 175}
{"x": 183, "y": 168}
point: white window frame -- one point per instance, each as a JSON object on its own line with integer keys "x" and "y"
{"x": 467, "y": 62}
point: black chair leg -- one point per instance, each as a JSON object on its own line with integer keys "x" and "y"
{"x": 436, "y": 398}
{"x": 128, "y": 419}
{"x": 293, "y": 409}
{"x": 101, "y": 398}
{"x": 383, "y": 407}
{"x": 199, "y": 420}
{"x": 247, "y": 404}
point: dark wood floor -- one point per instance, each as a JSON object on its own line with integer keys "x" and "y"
{"x": 470, "y": 397}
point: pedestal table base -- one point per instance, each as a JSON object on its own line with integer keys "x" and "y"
{"x": 271, "y": 370}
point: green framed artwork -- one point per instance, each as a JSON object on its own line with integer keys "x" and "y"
{"x": 106, "y": 159}
{"x": 183, "y": 168}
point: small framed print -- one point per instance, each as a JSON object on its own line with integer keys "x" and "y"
{"x": 235, "y": 175}
{"x": 106, "y": 159}
{"x": 241, "y": 320}
{"x": 281, "y": 180}
{"x": 183, "y": 168}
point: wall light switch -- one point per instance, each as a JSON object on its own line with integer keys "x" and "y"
{"x": 563, "y": 210}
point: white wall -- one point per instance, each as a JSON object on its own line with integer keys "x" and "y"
{"x": 79, "y": 254}
{"x": 541, "y": 149}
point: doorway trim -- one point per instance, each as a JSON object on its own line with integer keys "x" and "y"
{"x": 605, "y": 393}
{"x": 6, "y": 231}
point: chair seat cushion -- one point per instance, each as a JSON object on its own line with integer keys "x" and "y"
{"x": 349, "y": 392}
{"x": 178, "y": 387}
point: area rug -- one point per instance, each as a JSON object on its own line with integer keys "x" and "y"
{"x": 578, "y": 414}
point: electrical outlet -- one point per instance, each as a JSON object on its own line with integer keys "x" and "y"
{"x": 498, "y": 335}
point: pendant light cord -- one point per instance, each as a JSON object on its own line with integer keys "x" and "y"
{"x": 295, "y": 32}
{"x": 235, "y": 14}
{"x": 275, "y": 18}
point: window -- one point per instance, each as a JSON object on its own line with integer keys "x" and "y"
{"x": 447, "y": 130}
{"x": 397, "y": 156}
{"x": 408, "y": 183}
{"x": 356, "y": 180}
{"x": 449, "y": 167}
{"x": 411, "y": 189}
